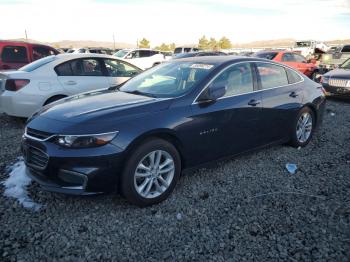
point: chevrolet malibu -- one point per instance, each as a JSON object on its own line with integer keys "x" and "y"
{"x": 137, "y": 138}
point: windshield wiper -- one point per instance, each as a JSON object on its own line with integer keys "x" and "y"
{"x": 137, "y": 92}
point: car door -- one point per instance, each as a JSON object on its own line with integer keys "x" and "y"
{"x": 119, "y": 71}
{"x": 82, "y": 75}
{"x": 282, "y": 95}
{"x": 230, "y": 124}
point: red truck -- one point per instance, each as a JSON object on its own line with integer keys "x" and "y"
{"x": 15, "y": 54}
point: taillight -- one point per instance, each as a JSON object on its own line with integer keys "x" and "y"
{"x": 16, "y": 84}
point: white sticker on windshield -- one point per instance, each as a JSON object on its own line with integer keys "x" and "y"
{"x": 202, "y": 66}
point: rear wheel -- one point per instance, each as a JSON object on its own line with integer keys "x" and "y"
{"x": 151, "y": 173}
{"x": 53, "y": 99}
{"x": 303, "y": 127}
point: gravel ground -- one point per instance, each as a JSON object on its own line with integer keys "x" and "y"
{"x": 242, "y": 209}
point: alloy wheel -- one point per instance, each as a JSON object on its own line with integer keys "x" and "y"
{"x": 304, "y": 127}
{"x": 154, "y": 174}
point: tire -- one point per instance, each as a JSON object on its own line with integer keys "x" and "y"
{"x": 300, "y": 136}
{"x": 53, "y": 99}
{"x": 134, "y": 185}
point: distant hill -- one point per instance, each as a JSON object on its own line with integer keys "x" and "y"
{"x": 78, "y": 43}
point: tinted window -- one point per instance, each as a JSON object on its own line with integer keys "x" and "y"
{"x": 293, "y": 77}
{"x": 288, "y": 57}
{"x": 346, "y": 48}
{"x": 237, "y": 79}
{"x": 40, "y": 52}
{"x": 299, "y": 58}
{"x": 117, "y": 68}
{"x": 14, "y": 54}
{"x": 144, "y": 53}
{"x": 272, "y": 75}
{"x": 178, "y": 50}
{"x": 266, "y": 55}
{"x": 187, "y": 49}
{"x": 80, "y": 67}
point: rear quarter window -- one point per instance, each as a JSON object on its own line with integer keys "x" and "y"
{"x": 293, "y": 77}
{"x": 14, "y": 54}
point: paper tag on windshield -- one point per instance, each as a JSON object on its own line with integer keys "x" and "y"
{"x": 201, "y": 66}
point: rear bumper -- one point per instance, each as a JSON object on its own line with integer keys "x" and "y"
{"x": 20, "y": 105}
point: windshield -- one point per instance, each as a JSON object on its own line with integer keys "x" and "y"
{"x": 168, "y": 79}
{"x": 38, "y": 63}
{"x": 303, "y": 44}
{"x": 266, "y": 55}
{"x": 121, "y": 53}
{"x": 346, "y": 64}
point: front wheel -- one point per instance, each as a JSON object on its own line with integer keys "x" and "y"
{"x": 303, "y": 128}
{"x": 151, "y": 173}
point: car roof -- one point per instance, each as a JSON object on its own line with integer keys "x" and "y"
{"x": 217, "y": 60}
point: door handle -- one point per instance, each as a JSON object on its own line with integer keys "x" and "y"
{"x": 253, "y": 102}
{"x": 70, "y": 83}
{"x": 294, "y": 94}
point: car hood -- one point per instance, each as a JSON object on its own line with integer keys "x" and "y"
{"x": 339, "y": 73}
{"x": 95, "y": 110}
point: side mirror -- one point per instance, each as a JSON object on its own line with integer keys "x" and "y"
{"x": 213, "y": 93}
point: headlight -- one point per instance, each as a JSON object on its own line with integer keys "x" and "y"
{"x": 324, "y": 79}
{"x": 83, "y": 141}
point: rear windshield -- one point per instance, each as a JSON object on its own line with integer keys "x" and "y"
{"x": 38, "y": 63}
{"x": 14, "y": 54}
{"x": 266, "y": 55}
{"x": 178, "y": 50}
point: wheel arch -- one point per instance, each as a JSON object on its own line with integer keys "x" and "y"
{"x": 165, "y": 134}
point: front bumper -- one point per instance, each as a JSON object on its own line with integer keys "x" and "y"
{"x": 73, "y": 171}
{"x": 335, "y": 90}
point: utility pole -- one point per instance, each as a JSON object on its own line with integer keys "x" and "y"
{"x": 25, "y": 32}
{"x": 113, "y": 42}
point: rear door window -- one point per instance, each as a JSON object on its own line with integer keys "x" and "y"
{"x": 272, "y": 75}
{"x": 299, "y": 58}
{"x": 346, "y": 49}
{"x": 80, "y": 67}
{"x": 288, "y": 57}
{"x": 144, "y": 53}
{"x": 14, "y": 54}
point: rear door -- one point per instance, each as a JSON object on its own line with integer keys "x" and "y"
{"x": 119, "y": 71}
{"x": 230, "y": 124}
{"x": 282, "y": 95}
{"x": 14, "y": 56}
{"x": 82, "y": 75}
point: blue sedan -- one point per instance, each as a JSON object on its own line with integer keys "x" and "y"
{"x": 137, "y": 138}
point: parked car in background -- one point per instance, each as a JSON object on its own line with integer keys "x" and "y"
{"x": 335, "y": 58}
{"x": 310, "y": 48}
{"x": 167, "y": 54}
{"x": 337, "y": 81}
{"x": 184, "y": 49}
{"x": 142, "y": 57}
{"x": 138, "y": 138}
{"x": 246, "y": 53}
{"x": 44, "y": 81}
{"x": 90, "y": 50}
{"x": 15, "y": 54}
{"x": 199, "y": 53}
{"x": 291, "y": 59}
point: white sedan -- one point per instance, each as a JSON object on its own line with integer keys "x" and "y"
{"x": 143, "y": 57}
{"x": 24, "y": 91}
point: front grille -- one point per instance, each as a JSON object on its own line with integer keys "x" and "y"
{"x": 35, "y": 157}
{"x": 38, "y": 134}
{"x": 338, "y": 82}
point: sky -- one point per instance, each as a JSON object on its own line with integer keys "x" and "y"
{"x": 179, "y": 21}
